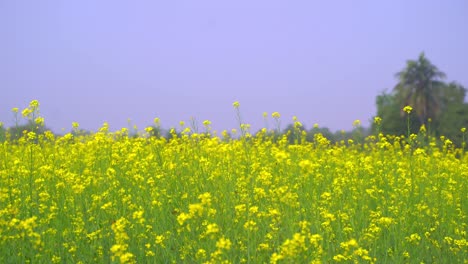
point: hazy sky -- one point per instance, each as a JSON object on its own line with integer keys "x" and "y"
{"x": 323, "y": 61}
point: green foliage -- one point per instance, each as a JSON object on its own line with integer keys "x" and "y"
{"x": 452, "y": 120}
{"x": 2, "y": 133}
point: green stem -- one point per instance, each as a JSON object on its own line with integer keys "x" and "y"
{"x": 408, "y": 128}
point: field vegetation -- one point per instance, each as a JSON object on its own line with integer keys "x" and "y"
{"x": 200, "y": 197}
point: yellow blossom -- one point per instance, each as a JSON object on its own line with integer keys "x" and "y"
{"x": 34, "y": 104}
{"x": 39, "y": 121}
{"x": 223, "y": 243}
{"x": 377, "y": 120}
{"x": 26, "y": 112}
{"x": 275, "y": 115}
{"x": 408, "y": 109}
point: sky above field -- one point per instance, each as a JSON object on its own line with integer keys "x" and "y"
{"x": 323, "y": 61}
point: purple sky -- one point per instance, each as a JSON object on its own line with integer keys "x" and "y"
{"x": 323, "y": 61}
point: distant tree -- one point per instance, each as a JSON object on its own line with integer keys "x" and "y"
{"x": 452, "y": 93}
{"x": 80, "y": 132}
{"x": 358, "y": 135}
{"x": 419, "y": 86}
{"x": 455, "y": 112}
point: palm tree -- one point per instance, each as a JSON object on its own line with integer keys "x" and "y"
{"x": 420, "y": 87}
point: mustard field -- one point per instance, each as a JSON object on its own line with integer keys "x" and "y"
{"x": 108, "y": 197}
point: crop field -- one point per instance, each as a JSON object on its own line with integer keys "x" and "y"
{"x": 108, "y": 197}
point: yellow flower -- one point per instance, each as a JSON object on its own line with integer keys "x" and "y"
{"x": 14, "y": 110}
{"x": 212, "y": 228}
{"x": 377, "y": 120}
{"x": 31, "y": 135}
{"x": 56, "y": 259}
{"x": 413, "y": 238}
{"x": 245, "y": 127}
{"x": 463, "y": 129}
{"x": 339, "y": 258}
{"x": 75, "y": 125}
{"x": 26, "y": 112}
{"x": 159, "y": 239}
{"x": 182, "y": 218}
{"x": 263, "y": 246}
{"x": 206, "y": 123}
{"x": 408, "y": 109}
{"x": 201, "y": 254}
{"x": 236, "y": 104}
{"x": 223, "y": 243}
{"x": 195, "y": 209}
{"x": 138, "y": 216}
{"x": 251, "y": 225}
{"x": 39, "y": 121}
{"x": 34, "y": 104}
{"x": 276, "y": 115}
{"x": 205, "y": 198}
{"x": 106, "y": 205}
